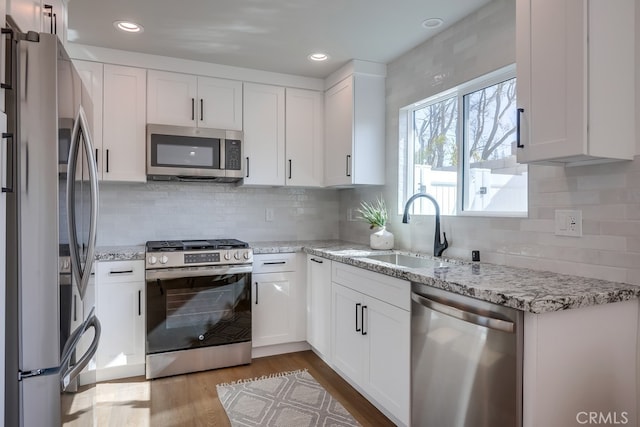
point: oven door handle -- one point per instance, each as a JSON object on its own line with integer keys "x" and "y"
{"x": 177, "y": 273}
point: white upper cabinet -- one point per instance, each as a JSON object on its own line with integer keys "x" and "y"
{"x": 91, "y": 74}
{"x": 304, "y": 126}
{"x": 220, "y": 103}
{"x": 54, "y": 18}
{"x": 188, "y": 100}
{"x": 124, "y": 125}
{"x": 48, "y": 16}
{"x": 355, "y": 131}
{"x": 27, "y": 14}
{"x": 575, "y": 70}
{"x": 264, "y": 137}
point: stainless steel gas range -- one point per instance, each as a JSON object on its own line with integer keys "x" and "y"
{"x": 198, "y": 305}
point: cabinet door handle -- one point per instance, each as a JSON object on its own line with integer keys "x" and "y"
{"x": 364, "y": 307}
{"x": 247, "y": 176}
{"x": 75, "y": 308}
{"x": 107, "y": 160}
{"x": 317, "y": 260}
{"x": 201, "y": 109}
{"x": 9, "y": 67}
{"x": 348, "y": 164}
{"x": 49, "y": 12}
{"x": 256, "y": 293}
{"x": 519, "y": 144}
{"x": 139, "y": 303}
{"x": 193, "y": 108}
{"x": 274, "y": 262}
{"x": 97, "y": 159}
{"x": 10, "y": 161}
{"x": 357, "y": 328}
{"x": 55, "y": 23}
{"x": 289, "y": 168}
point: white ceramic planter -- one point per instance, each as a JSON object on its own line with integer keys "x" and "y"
{"x": 381, "y": 239}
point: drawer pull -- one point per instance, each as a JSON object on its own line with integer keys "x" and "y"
{"x": 120, "y": 272}
{"x": 317, "y": 260}
{"x": 274, "y": 263}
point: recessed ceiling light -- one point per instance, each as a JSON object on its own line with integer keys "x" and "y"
{"x": 432, "y": 23}
{"x": 318, "y": 56}
{"x": 128, "y": 26}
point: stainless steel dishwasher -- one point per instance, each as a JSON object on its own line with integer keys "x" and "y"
{"x": 466, "y": 361}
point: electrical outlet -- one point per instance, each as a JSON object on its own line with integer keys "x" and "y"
{"x": 268, "y": 214}
{"x": 351, "y": 215}
{"x": 568, "y": 223}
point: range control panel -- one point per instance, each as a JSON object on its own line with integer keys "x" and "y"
{"x": 202, "y": 257}
{"x": 198, "y": 257}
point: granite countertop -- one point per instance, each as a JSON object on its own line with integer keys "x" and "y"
{"x": 524, "y": 289}
{"x": 528, "y": 290}
{"x": 120, "y": 253}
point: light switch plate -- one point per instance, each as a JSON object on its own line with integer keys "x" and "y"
{"x": 568, "y": 223}
{"x": 268, "y": 214}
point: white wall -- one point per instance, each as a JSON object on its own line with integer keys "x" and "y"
{"x": 608, "y": 195}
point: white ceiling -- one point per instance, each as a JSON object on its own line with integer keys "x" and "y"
{"x": 270, "y": 35}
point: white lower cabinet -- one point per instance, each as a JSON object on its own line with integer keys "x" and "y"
{"x": 278, "y": 297}
{"x": 319, "y": 305}
{"x": 120, "y": 297}
{"x": 371, "y": 338}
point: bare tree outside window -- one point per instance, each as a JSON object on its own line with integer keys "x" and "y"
{"x": 435, "y": 158}
{"x": 494, "y": 181}
{"x": 491, "y": 128}
{"x": 435, "y": 129}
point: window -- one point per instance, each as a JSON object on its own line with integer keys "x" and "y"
{"x": 460, "y": 147}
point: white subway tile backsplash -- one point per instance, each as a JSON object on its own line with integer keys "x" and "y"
{"x": 135, "y": 213}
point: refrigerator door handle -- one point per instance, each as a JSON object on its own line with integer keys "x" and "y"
{"x": 69, "y": 372}
{"x": 80, "y": 134}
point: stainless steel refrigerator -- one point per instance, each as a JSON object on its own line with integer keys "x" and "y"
{"x": 52, "y": 203}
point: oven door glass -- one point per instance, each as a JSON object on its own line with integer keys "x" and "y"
{"x": 185, "y": 152}
{"x": 192, "y": 312}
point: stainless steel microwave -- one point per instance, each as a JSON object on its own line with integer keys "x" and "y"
{"x": 190, "y": 154}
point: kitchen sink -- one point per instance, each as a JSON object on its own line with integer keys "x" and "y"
{"x": 410, "y": 261}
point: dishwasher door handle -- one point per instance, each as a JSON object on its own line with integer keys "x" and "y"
{"x": 464, "y": 315}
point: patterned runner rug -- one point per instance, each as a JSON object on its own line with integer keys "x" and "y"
{"x": 291, "y": 399}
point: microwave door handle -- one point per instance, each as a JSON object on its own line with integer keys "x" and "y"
{"x": 223, "y": 158}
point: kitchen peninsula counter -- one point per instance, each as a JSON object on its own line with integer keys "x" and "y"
{"x": 532, "y": 291}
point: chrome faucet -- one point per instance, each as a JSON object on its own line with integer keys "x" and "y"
{"x": 438, "y": 245}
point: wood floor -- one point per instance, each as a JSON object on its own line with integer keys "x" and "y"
{"x": 191, "y": 400}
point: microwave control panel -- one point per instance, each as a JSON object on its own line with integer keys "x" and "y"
{"x": 233, "y": 154}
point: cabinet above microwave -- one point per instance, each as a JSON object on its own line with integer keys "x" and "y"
{"x": 190, "y": 153}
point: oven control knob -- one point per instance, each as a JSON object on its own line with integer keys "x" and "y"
{"x": 237, "y": 255}
{"x": 164, "y": 259}
{"x": 152, "y": 260}
{"x": 201, "y": 337}
{"x": 227, "y": 255}
{"x": 247, "y": 255}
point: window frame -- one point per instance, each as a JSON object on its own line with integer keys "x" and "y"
{"x": 407, "y": 144}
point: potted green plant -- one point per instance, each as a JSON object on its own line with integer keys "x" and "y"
{"x": 376, "y": 215}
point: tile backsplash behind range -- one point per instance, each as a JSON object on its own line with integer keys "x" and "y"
{"x": 131, "y": 214}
